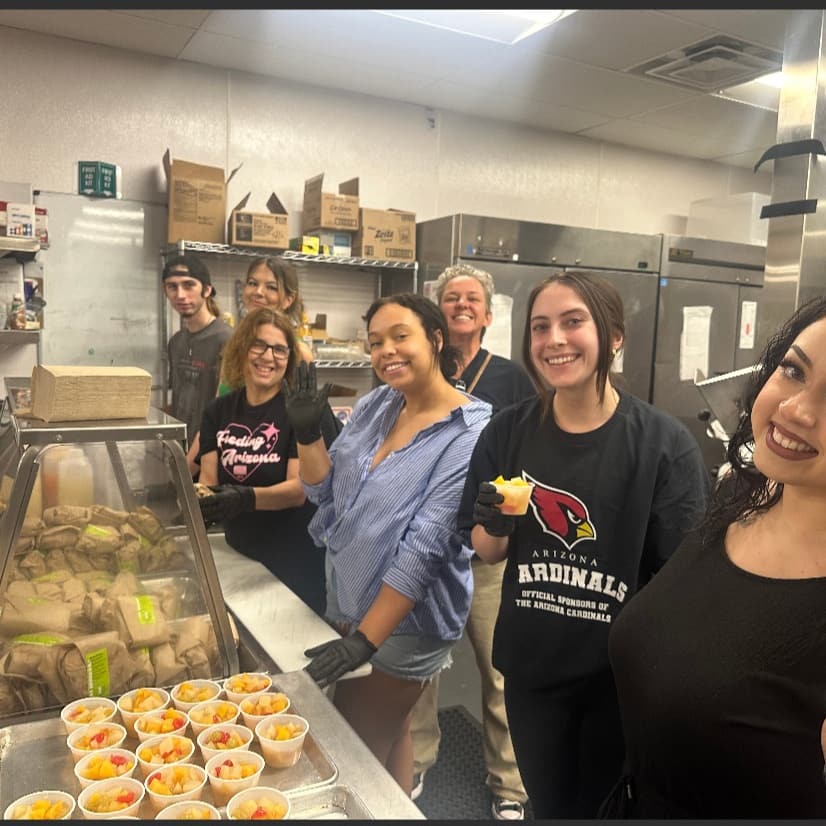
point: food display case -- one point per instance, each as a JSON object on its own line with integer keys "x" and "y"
{"x": 109, "y": 582}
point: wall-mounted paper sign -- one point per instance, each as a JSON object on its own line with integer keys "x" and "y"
{"x": 694, "y": 341}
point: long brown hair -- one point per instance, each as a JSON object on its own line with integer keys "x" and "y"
{"x": 604, "y": 303}
{"x": 235, "y": 353}
{"x": 287, "y": 278}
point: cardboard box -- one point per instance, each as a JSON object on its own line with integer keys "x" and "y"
{"x": 337, "y": 243}
{"x": 197, "y": 201}
{"x": 79, "y": 393}
{"x": 305, "y": 243}
{"x": 325, "y": 210}
{"x": 259, "y": 229}
{"x": 388, "y": 234}
{"x": 17, "y": 220}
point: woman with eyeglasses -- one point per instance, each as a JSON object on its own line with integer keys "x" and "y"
{"x": 271, "y": 282}
{"x": 250, "y": 460}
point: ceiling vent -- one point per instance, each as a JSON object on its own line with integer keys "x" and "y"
{"x": 712, "y": 64}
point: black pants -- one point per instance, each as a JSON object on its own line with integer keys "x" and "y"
{"x": 568, "y": 743}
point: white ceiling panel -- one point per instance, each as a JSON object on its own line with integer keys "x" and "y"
{"x": 767, "y": 26}
{"x": 104, "y": 27}
{"x": 191, "y": 18}
{"x": 726, "y": 119}
{"x": 569, "y": 83}
{"x": 571, "y": 77}
{"x": 590, "y": 36}
{"x": 658, "y": 139}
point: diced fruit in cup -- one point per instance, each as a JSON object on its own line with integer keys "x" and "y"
{"x": 177, "y": 780}
{"x": 224, "y": 740}
{"x": 42, "y": 809}
{"x": 214, "y": 713}
{"x": 169, "y": 750}
{"x": 265, "y": 704}
{"x": 248, "y": 683}
{"x": 144, "y": 699}
{"x": 105, "y": 766}
{"x": 234, "y": 770}
{"x": 165, "y": 723}
{"x": 195, "y": 812}
{"x": 282, "y": 731}
{"x": 259, "y": 809}
{"x": 113, "y": 799}
{"x": 97, "y": 737}
{"x": 89, "y": 714}
{"x": 516, "y": 492}
{"x": 189, "y": 693}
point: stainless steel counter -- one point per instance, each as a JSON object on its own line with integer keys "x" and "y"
{"x": 281, "y": 623}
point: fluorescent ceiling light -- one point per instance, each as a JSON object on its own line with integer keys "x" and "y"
{"x": 762, "y": 92}
{"x": 501, "y": 26}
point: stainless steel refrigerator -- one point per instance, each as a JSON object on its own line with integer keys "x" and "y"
{"x": 520, "y": 254}
{"x": 706, "y": 321}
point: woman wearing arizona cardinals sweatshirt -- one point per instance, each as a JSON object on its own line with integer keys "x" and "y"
{"x": 617, "y": 484}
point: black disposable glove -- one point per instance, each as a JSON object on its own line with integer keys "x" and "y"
{"x": 486, "y": 514}
{"x": 227, "y": 501}
{"x": 306, "y": 404}
{"x": 332, "y": 659}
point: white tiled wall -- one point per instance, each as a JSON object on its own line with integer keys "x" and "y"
{"x": 64, "y": 101}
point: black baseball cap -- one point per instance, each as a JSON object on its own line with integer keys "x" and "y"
{"x": 194, "y": 265}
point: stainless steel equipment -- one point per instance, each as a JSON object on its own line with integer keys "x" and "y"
{"x": 520, "y": 254}
{"x": 707, "y": 312}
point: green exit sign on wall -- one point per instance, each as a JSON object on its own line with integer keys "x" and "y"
{"x": 99, "y": 179}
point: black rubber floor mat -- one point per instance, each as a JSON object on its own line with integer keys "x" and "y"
{"x": 454, "y": 788}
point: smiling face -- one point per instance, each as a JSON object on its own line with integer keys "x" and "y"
{"x": 564, "y": 342}
{"x": 263, "y": 289}
{"x": 789, "y": 414}
{"x": 264, "y": 370}
{"x": 400, "y": 351}
{"x": 463, "y": 306}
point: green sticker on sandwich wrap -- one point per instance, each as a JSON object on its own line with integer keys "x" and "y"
{"x": 40, "y": 639}
{"x": 146, "y": 611}
{"x": 97, "y": 673}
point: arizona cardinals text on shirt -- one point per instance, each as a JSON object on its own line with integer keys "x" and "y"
{"x": 573, "y": 576}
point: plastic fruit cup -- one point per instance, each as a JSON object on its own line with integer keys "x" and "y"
{"x": 94, "y": 737}
{"x": 199, "y": 690}
{"x": 282, "y": 753}
{"x": 118, "y": 758}
{"x": 88, "y": 710}
{"x": 189, "y": 810}
{"x": 268, "y": 801}
{"x": 47, "y": 805}
{"x": 178, "y": 749}
{"x": 212, "y": 712}
{"x": 517, "y": 496}
{"x": 227, "y": 732}
{"x": 138, "y": 701}
{"x": 111, "y": 798}
{"x": 187, "y": 775}
{"x": 223, "y": 788}
{"x": 246, "y": 684}
{"x": 255, "y": 709}
{"x": 164, "y": 721}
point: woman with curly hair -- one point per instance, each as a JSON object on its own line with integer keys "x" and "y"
{"x": 250, "y": 460}
{"x": 720, "y": 661}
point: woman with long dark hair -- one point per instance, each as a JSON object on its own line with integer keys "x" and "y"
{"x": 720, "y": 662}
{"x": 617, "y": 483}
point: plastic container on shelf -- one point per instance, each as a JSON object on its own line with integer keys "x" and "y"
{"x": 75, "y": 480}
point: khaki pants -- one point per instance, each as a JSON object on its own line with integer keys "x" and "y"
{"x": 503, "y": 776}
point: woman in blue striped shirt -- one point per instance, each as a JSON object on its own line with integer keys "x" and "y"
{"x": 398, "y": 574}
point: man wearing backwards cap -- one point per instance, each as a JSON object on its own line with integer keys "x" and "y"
{"x": 195, "y": 350}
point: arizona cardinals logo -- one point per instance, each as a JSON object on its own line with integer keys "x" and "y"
{"x": 561, "y": 514}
